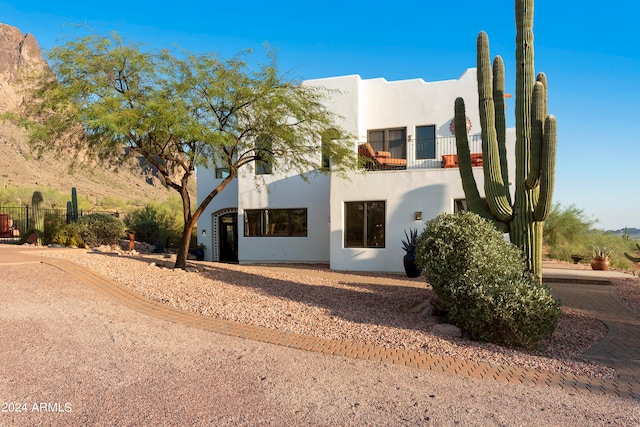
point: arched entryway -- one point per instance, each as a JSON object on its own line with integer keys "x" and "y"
{"x": 225, "y": 225}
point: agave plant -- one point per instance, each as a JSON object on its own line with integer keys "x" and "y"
{"x": 601, "y": 252}
{"x": 409, "y": 242}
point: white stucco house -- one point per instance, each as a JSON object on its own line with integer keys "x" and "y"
{"x": 358, "y": 223}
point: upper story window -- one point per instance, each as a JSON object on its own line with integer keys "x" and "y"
{"x": 327, "y": 137}
{"x": 264, "y": 161}
{"x": 222, "y": 173}
{"x": 426, "y": 142}
{"x": 392, "y": 140}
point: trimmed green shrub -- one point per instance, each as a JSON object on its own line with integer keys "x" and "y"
{"x": 147, "y": 231}
{"x": 479, "y": 278}
{"x": 98, "y": 229}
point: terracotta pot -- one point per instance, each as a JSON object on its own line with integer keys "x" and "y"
{"x": 600, "y": 263}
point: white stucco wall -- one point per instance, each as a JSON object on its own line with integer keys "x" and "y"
{"x": 286, "y": 193}
{"x": 380, "y": 104}
{"x": 363, "y": 105}
{"x": 227, "y": 199}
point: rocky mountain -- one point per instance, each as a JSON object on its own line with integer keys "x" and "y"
{"x": 20, "y": 168}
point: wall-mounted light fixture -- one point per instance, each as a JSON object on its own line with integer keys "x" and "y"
{"x": 417, "y": 216}
{"x": 204, "y": 232}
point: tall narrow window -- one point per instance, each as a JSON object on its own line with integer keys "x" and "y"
{"x": 264, "y": 160}
{"x": 392, "y": 140}
{"x": 364, "y": 224}
{"x": 426, "y": 142}
{"x": 327, "y": 137}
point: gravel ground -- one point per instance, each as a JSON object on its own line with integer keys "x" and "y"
{"x": 71, "y": 356}
{"x": 366, "y": 308}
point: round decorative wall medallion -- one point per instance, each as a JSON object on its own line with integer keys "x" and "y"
{"x": 452, "y": 126}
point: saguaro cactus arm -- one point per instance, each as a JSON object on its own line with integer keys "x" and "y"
{"x": 547, "y": 174}
{"x": 474, "y": 201}
{"x": 501, "y": 121}
{"x": 495, "y": 189}
{"x": 632, "y": 258}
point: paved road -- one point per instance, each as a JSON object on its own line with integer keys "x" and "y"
{"x": 74, "y": 354}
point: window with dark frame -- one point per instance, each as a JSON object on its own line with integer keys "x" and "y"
{"x": 222, "y": 173}
{"x": 460, "y": 205}
{"x": 392, "y": 140}
{"x": 327, "y": 137}
{"x": 264, "y": 162}
{"x": 365, "y": 224}
{"x": 426, "y": 142}
{"x": 275, "y": 222}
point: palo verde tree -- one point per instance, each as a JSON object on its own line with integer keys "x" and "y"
{"x": 114, "y": 100}
{"x": 535, "y": 149}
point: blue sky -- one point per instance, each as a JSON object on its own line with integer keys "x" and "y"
{"x": 591, "y": 57}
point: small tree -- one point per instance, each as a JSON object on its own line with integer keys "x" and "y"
{"x": 179, "y": 111}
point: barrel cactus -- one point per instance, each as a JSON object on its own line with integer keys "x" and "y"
{"x": 632, "y": 258}
{"x": 535, "y": 145}
{"x": 38, "y": 215}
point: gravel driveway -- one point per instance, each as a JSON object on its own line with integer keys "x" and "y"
{"x": 72, "y": 356}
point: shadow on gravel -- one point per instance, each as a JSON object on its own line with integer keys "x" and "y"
{"x": 352, "y": 297}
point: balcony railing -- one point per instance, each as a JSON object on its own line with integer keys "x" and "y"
{"x": 419, "y": 154}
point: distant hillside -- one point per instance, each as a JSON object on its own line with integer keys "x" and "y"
{"x": 18, "y": 166}
{"x": 634, "y": 233}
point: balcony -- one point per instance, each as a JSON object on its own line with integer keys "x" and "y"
{"x": 418, "y": 154}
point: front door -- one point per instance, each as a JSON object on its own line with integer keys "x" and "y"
{"x": 228, "y": 227}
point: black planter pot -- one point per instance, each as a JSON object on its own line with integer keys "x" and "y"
{"x": 410, "y": 268}
{"x": 199, "y": 254}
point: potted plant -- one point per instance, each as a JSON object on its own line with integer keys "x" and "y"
{"x": 409, "y": 259}
{"x": 200, "y": 252}
{"x": 600, "y": 258}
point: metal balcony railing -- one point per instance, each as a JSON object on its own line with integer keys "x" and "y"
{"x": 420, "y": 154}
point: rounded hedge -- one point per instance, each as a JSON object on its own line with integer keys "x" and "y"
{"x": 98, "y": 229}
{"x": 480, "y": 279}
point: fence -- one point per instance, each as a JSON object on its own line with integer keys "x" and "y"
{"x": 16, "y": 220}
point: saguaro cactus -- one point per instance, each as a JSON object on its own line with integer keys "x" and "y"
{"x": 74, "y": 204}
{"x": 632, "y": 258}
{"x": 535, "y": 144}
{"x": 38, "y": 215}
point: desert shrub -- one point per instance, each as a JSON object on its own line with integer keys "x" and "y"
{"x": 166, "y": 215}
{"x": 147, "y": 231}
{"x": 567, "y": 231}
{"x": 480, "y": 279}
{"x": 55, "y": 229}
{"x": 566, "y": 225}
{"x": 98, "y": 229}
